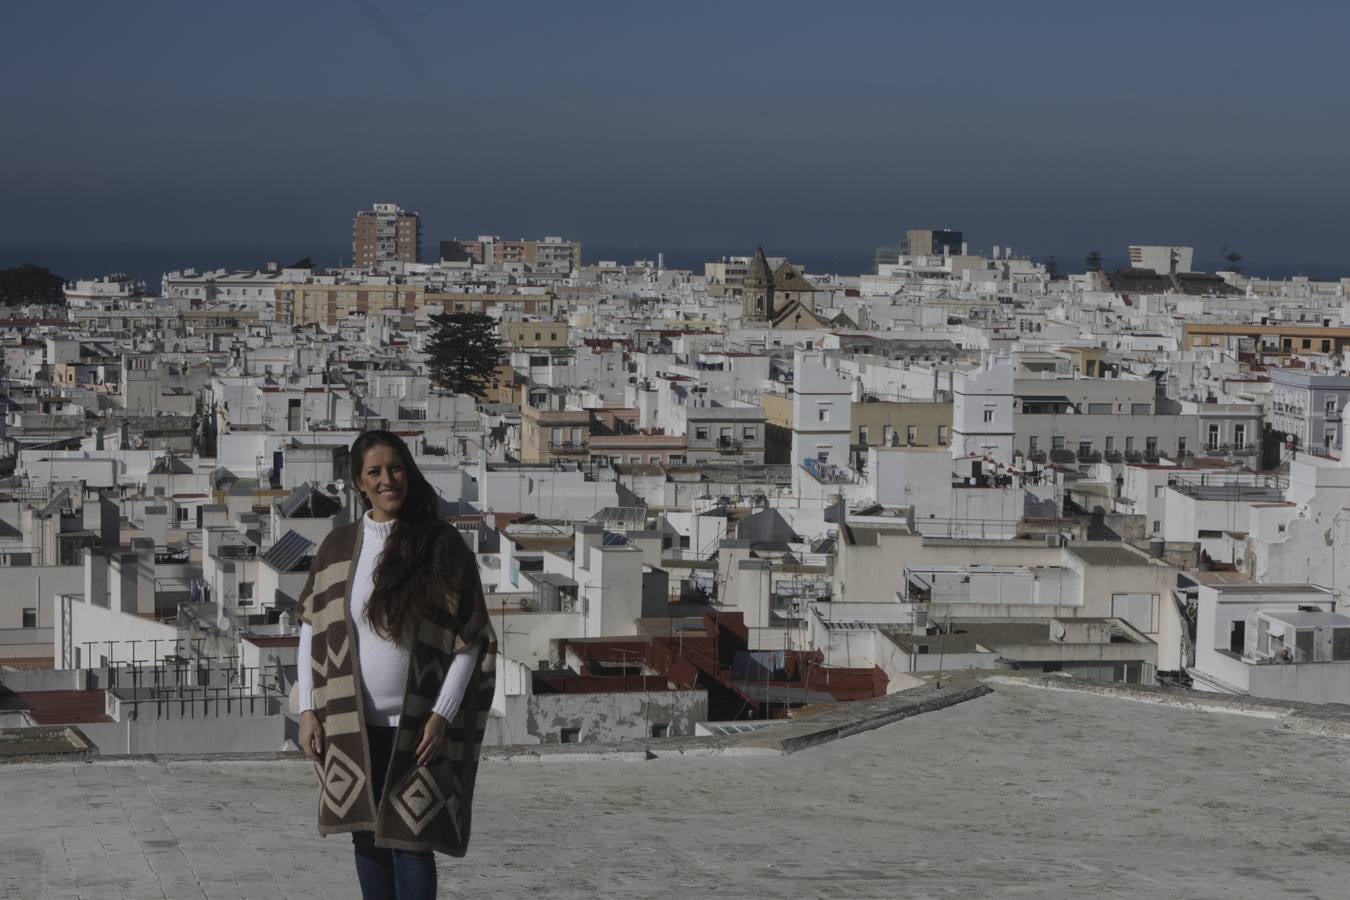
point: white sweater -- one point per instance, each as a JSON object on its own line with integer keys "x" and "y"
{"x": 384, "y": 664}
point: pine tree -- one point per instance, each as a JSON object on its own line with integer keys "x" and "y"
{"x": 463, "y": 352}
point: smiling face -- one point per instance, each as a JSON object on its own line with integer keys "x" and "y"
{"x": 384, "y": 481}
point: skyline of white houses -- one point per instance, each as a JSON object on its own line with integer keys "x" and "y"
{"x": 739, "y": 490}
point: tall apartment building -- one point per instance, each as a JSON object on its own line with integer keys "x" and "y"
{"x": 386, "y": 233}
{"x": 930, "y": 242}
{"x": 1163, "y": 260}
{"x": 551, "y": 254}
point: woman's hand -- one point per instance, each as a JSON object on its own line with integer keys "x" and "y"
{"x": 433, "y": 739}
{"x": 311, "y": 736}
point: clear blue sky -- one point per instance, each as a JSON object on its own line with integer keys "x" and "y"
{"x": 1056, "y": 127}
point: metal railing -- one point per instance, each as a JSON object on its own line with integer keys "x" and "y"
{"x": 828, "y": 473}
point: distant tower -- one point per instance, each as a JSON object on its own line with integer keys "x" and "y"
{"x": 757, "y": 299}
{"x": 385, "y": 233}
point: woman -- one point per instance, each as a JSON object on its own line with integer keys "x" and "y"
{"x": 395, "y": 722}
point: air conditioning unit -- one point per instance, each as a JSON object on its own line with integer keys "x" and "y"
{"x": 1052, "y": 540}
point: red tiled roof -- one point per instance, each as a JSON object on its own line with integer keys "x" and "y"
{"x": 292, "y": 640}
{"x": 65, "y": 707}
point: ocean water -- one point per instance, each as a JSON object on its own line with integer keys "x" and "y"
{"x": 147, "y": 262}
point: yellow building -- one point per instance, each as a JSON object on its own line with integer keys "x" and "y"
{"x": 877, "y": 423}
{"x": 331, "y": 304}
{"x": 1273, "y": 339}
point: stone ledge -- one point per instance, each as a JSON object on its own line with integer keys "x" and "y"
{"x": 812, "y": 727}
{"x": 1332, "y": 719}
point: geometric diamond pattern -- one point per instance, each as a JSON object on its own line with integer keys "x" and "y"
{"x": 343, "y": 781}
{"x": 419, "y": 802}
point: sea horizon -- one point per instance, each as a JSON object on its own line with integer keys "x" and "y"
{"x": 149, "y": 261}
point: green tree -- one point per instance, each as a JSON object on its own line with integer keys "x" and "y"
{"x": 463, "y": 352}
{"x": 1094, "y": 261}
{"x": 30, "y": 284}
{"x": 1233, "y": 259}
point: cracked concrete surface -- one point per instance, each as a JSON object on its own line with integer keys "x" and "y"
{"x": 1023, "y": 792}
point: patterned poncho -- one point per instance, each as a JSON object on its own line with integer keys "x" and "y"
{"x": 421, "y": 807}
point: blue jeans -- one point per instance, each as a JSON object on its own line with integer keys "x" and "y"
{"x": 387, "y": 874}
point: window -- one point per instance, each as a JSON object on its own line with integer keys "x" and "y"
{"x": 1209, "y": 534}
{"x": 1240, "y": 435}
{"x": 701, "y": 432}
{"x": 1158, "y": 490}
{"x": 911, "y": 434}
{"x": 748, "y": 433}
{"x": 245, "y": 590}
{"x": 660, "y": 730}
{"x": 1331, "y": 407}
{"x": 862, "y": 434}
{"x": 1213, "y": 435}
{"x": 569, "y": 735}
{"x": 1129, "y": 443}
{"x": 1157, "y": 526}
{"x": 1151, "y": 446}
{"x": 1140, "y": 409}
{"x": 725, "y": 432}
{"x": 942, "y": 435}
{"x": 1033, "y": 444}
{"x": 888, "y": 435}
{"x": 30, "y": 617}
{"x": 1084, "y": 448}
{"x": 1307, "y": 343}
{"x": 1237, "y": 636}
{"x": 1057, "y": 442}
{"x": 989, "y": 415}
{"x": 1181, "y": 446}
{"x": 1110, "y": 443}
{"x": 823, "y": 414}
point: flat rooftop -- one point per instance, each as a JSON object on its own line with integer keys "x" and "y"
{"x": 1137, "y": 800}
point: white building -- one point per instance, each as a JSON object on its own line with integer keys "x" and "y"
{"x": 982, "y": 411}
{"x": 1161, "y": 259}
{"x": 1282, "y": 641}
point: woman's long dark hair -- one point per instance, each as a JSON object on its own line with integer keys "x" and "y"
{"x": 409, "y": 567}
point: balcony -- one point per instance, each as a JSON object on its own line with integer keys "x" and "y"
{"x": 827, "y": 473}
{"x": 578, "y": 446}
{"x": 728, "y": 445}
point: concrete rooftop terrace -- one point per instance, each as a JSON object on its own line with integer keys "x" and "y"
{"x": 1024, "y": 792}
